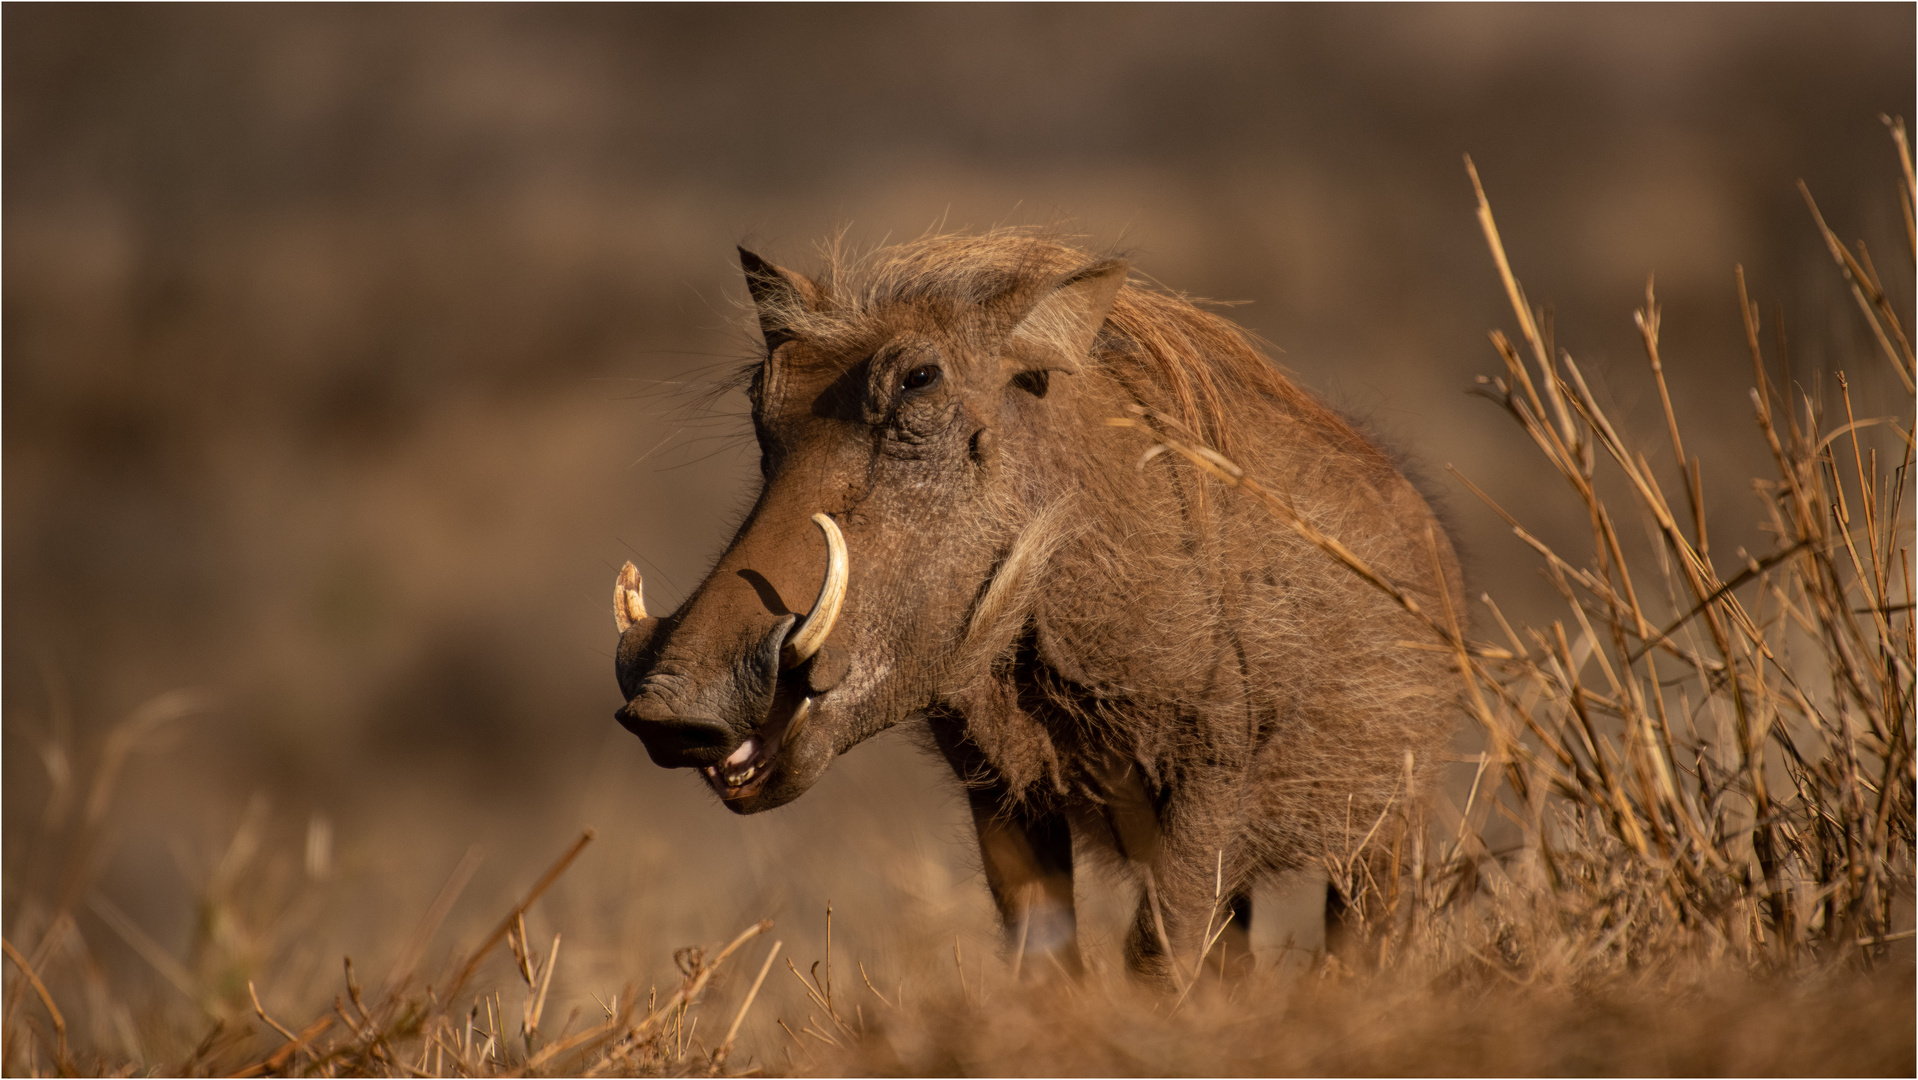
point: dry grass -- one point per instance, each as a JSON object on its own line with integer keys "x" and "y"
{"x": 1687, "y": 846}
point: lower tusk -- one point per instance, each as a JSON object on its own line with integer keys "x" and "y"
{"x": 629, "y": 606}
{"x": 799, "y": 717}
{"x": 832, "y": 592}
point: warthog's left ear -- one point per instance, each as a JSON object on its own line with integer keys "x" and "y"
{"x": 781, "y": 296}
{"x": 1064, "y": 322}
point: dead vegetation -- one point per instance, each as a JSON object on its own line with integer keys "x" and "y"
{"x": 1686, "y": 847}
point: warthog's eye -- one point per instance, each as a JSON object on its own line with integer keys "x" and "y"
{"x": 921, "y": 377}
{"x": 1033, "y": 382}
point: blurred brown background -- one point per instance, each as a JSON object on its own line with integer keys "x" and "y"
{"x": 349, "y": 350}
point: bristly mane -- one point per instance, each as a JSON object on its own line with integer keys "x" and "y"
{"x": 1206, "y": 368}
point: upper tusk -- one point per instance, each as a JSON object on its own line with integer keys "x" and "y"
{"x": 825, "y": 610}
{"x": 629, "y": 606}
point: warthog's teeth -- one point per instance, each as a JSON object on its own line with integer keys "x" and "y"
{"x": 745, "y": 752}
{"x": 741, "y": 766}
{"x": 753, "y": 758}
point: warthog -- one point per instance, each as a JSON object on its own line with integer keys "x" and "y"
{"x": 1112, "y": 649}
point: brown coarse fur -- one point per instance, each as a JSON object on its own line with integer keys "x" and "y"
{"x": 1110, "y": 654}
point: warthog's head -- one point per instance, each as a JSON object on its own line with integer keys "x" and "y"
{"x": 899, "y": 428}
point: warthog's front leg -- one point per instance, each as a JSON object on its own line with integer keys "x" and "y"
{"x": 1027, "y": 856}
{"x": 1195, "y": 888}
{"x": 1179, "y": 910}
{"x": 1028, "y": 864}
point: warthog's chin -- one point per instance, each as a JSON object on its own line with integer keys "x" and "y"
{"x": 743, "y": 778}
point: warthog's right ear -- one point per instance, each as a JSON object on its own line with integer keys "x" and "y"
{"x": 1065, "y": 321}
{"x": 781, "y": 296}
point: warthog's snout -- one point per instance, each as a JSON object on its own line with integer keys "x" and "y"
{"x": 688, "y": 725}
{"x": 709, "y": 696}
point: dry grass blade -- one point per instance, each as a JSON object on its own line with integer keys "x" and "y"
{"x": 415, "y": 948}
{"x": 726, "y": 1045}
{"x": 295, "y": 1041}
{"x": 506, "y": 925}
{"x": 126, "y": 737}
{"x": 582, "y": 1039}
{"x": 1908, "y": 186}
{"x": 46, "y": 1000}
{"x": 148, "y": 949}
{"x": 1174, "y": 969}
{"x": 546, "y": 982}
{"x": 875, "y": 990}
{"x": 282, "y": 1057}
{"x": 1871, "y": 297}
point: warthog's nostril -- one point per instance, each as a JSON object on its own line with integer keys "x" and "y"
{"x": 677, "y": 742}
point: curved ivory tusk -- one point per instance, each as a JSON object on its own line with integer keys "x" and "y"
{"x": 799, "y": 717}
{"x": 825, "y": 610}
{"x": 629, "y": 606}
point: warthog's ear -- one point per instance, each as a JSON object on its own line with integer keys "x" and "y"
{"x": 1064, "y": 321}
{"x": 780, "y": 295}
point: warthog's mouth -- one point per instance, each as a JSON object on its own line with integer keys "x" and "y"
{"x": 745, "y": 773}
